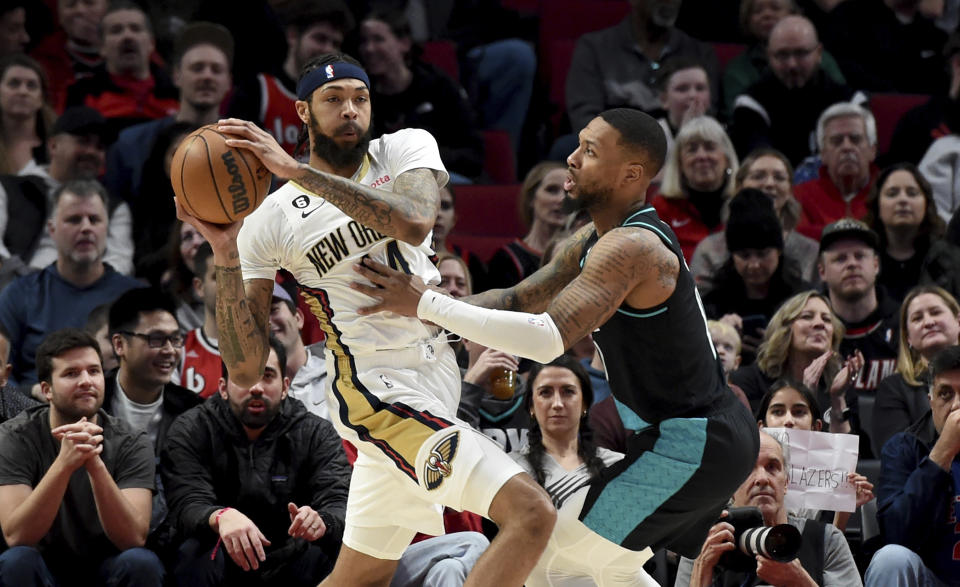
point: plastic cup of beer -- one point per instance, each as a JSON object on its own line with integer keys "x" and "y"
{"x": 503, "y": 383}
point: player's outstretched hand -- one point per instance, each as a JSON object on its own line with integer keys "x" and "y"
{"x": 394, "y": 290}
{"x": 247, "y": 135}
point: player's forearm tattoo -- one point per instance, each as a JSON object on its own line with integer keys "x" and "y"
{"x": 414, "y": 199}
{"x": 240, "y": 337}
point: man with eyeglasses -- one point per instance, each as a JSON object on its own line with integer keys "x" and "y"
{"x": 781, "y": 109}
{"x": 147, "y": 341}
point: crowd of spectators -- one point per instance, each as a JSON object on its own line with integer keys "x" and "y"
{"x": 827, "y": 261}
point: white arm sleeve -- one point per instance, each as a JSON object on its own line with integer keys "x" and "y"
{"x": 533, "y": 336}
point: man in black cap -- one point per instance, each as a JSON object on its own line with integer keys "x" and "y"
{"x": 202, "y": 59}
{"x": 77, "y": 145}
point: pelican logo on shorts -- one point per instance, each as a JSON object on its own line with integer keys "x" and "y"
{"x": 328, "y": 70}
{"x": 439, "y": 461}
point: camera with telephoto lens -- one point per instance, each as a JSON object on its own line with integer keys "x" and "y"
{"x": 780, "y": 543}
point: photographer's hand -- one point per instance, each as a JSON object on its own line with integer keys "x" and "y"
{"x": 789, "y": 574}
{"x": 719, "y": 540}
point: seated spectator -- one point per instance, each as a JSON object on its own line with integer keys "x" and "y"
{"x": 541, "y": 207}
{"x": 200, "y": 369}
{"x": 789, "y": 404}
{"x": 781, "y": 109}
{"x": 756, "y": 278}
{"x": 72, "y": 51}
{"x": 684, "y": 89}
{"x": 27, "y": 115}
{"x": 697, "y": 182}
{"x": 410, "y": 93}
{"x": 929, "y": 322}
{"x": 276, "y": 519}
{"x": 757, "y": 19}
{"x": 769, "y": 171}
{"x": 618, "y": 66}
{"x": 849, "y": 263}
{"x": 443, "y": 226}
{"x": 726, "y": 340}
{"x": 887, "y": 46}
{"x": 98, "y": 326}
{"x": 562, "y": 458}
{"x": 801, "y": 342}
{"x": 172, "y": 269}
{"x": 75, "y": 483}
{"x": 128, "y": 88}
{"x": 77, "y": 146}
{"x": 499, "y": 416}
{"x": 12, "y": 402}
{"x": 62, "y": 294}
{"x": 306, "y": 366}
{"x": 917, "y": 491}
{"x": 918, "y": 128}
{"x": 13, "y": 28}
{"x": 312, "y": 28}
{"x": 202, "y": 58}
{"x": 154, "y": 214}
{"x": 901, "y": 210}
{"x": 847, "y": 137}
{"x": 830, "y": 565}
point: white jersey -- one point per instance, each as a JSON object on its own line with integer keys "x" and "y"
{"x": 316, "y": 242}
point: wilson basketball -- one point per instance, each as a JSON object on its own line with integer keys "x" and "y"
{"x": 215, "y": 182}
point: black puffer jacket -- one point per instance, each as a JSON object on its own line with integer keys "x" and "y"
{"x": 208, "y": 463}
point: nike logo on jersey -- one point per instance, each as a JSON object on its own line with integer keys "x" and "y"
{"x": 309, "y": 212}
{"x": 679, "y": 223}
{"x": 303, "y": 201}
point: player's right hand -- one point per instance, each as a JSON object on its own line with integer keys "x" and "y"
{"x": 242, "y": 540}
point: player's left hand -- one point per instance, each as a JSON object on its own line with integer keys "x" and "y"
{"x": 789, "y": 574}
{"x": 305, "y": 523}
{"x": 396, "y": 291}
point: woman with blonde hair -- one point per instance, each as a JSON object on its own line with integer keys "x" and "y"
{"x": 541, "y": 208}
{"x": 697, "y": 182}
{"x": 802, "y": 341}
{"x": 929, "y": 322}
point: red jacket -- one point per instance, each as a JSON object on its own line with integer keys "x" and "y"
{"x": 684, "y": 219}
{"x": 823, "y": 203}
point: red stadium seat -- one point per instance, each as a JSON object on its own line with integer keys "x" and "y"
{"x": 442, "y": 54}
{"x": 487, "y": 218}
{"x": 498, "y": 156}
{"x": 887, "y": 109}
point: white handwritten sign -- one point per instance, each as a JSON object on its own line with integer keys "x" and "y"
{"x": 819, "y": 463}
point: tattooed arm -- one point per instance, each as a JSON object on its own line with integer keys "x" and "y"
{"x": 626, "y": 264}
{"x": 406, "y": 214}
{"x": 534, "y": 293}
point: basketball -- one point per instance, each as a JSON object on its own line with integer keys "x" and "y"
{"x": 215, "y": 182}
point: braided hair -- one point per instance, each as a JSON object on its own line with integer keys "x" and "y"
{"x": 586, "y": 449}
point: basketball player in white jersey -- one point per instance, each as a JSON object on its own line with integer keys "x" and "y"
{"x": 393, "y": 382}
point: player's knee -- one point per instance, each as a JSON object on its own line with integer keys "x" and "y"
{"x": 525, "y": 507}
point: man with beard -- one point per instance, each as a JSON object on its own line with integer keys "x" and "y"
{"x": 393, "y": 383}
{"x": 312, "y": 27}
{"x": 127, "y": 88}
{"x": 781, "y": 109}
{"x": 623, "y": 279}
{"x": 77, "y": 147}
{"x": 847, "y": 137}
{"x": 63, "y": 293}
{"x": 256, "y": 485}
{"x": 75, "y": 483}
{"x": 202, "y": 58}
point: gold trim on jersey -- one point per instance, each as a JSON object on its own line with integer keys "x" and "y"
{"x": 395, "y": 428}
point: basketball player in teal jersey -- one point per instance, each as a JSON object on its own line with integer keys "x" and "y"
{"x": 623, "y": 279}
